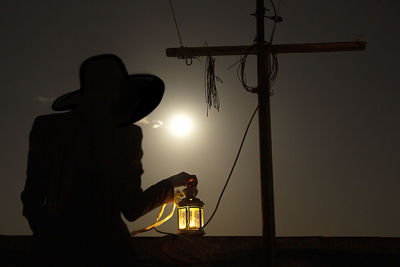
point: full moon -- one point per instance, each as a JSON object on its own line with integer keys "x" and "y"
{"x": 180, "y": 125}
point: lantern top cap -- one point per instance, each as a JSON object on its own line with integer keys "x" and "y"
{"x": 193, "y": 202}
{"x": 191, "y": 185}
{"x": 190, "y": 198}
{"x": 190, "y": 192}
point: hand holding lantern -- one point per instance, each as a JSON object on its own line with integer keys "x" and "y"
{"x": 183, "y": 179}
{"x": 190, "y": 208}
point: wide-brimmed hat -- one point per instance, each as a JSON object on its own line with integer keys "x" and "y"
{"x": 149, "y": 88}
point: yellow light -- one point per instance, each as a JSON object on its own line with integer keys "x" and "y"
{"x": 182, "y": 218}
{"x": 194, "y": 218}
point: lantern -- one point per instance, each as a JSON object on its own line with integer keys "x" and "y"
{"x": 190, "y": 213}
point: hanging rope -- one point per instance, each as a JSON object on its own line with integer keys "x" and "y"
{"x": 211, "y": 93}
{"x": 188, "y": 60}
{"x": 233, "y": 167}
{"x": 241, "y": 74}
{"x": 370, "y": 20}
{"x": 276, "y": 15}
{"x": 176, "y": 23}
{"x": 274, "y": 71}
{"x": 240, "y": 71}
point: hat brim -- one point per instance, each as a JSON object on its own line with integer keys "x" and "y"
{"x": 151, "y": 90}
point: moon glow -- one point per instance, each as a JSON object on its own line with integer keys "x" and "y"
{"x": 181, "y": 125}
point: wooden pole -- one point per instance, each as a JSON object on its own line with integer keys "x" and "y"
{"x": 264, "y": 125}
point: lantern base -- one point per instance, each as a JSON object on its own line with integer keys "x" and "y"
{"x": 191, "y": 232}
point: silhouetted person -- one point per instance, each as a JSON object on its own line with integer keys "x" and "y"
{"x": 84, "y": 168}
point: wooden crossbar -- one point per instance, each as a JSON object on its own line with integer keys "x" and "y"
{"x": 185, "y": 52}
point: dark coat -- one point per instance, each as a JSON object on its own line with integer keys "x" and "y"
{"x": 80, "y": 178}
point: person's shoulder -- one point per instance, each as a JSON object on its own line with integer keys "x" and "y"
{"x": 52, "y": 116}
{"x": 51, "y": 119}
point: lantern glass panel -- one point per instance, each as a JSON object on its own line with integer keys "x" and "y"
{"x": 194, "y": 218}
{"x": 202, "y": 217}
{"x": 182, "y": 218}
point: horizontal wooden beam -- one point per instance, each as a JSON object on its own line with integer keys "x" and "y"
{"x": 185, "y": 52}
{"x": 318, "y": 47}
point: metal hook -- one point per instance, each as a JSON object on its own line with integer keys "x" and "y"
{"x": 189, "y": 61}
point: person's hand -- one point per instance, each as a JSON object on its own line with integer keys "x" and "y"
{"x": 183, "y": 179}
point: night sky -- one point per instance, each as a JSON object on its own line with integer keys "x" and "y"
{"x": 335, "y": 116}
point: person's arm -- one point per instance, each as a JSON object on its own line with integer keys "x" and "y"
{"x": 140, "y": 203}
{"x": 134, "y": 201}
